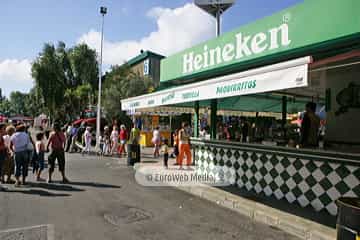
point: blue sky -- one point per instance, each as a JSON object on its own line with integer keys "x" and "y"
{"x": 130, "y": 25}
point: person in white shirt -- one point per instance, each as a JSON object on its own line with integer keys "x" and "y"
{"x": 87, "y": 140}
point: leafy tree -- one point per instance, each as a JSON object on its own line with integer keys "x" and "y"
{"x": 1, "y": 96}
{"x": 50, "y": 79}
{"x": 34, "y": 105}
{"x": 65, "y": 78}
{"x": 121, "y": 83}
{"x": 84, "y": 65}
{"x": 18, "y": 103}
{"x": 5, "y": 107}
{"x": 77, "y": 98}
{"x": 63, "y": 56}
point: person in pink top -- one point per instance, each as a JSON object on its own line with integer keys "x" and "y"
{"x": 57, "y": 143}
{"x": 114, "y": 137}
{"x": 123, "y": 138}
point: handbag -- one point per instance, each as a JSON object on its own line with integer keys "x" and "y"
{"x": 30, "y": 146}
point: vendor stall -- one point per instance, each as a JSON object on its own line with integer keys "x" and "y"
{"x": 276, "y": 65}
{"x": 165, "y": 118}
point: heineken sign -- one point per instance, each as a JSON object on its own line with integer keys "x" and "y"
{"x": 303, "y": 28}
{"x": 241, "y": 47}
{"x": 275, "y": 77}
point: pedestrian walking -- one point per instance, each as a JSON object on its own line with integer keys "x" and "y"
{"x": 114, "y": 139}
{"x": 68, "y": 135}
{"x": 56, "y": 142}
{"x": 135, "y": 135}
{"x": 175, "y": 152}
{"x": 74, "y": 135}
{"x": 123, "y": 138}
{"x": 31, "y": 150}
{"x": 19, "y": 144}
{"x": 184, "y": 138}
{"x": 107, "y": 142}
{"x": 87, "y": 139}
{"x": 8, "y": 166}
{"x": 156, "y": 141}
{"x": 40, "y": 152}
{"x": 3, "y": 150}
{"x": 165, "y": 151}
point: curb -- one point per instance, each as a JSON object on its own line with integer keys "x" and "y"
{"x": 300, "y": 227}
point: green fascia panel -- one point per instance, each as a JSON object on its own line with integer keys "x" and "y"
{"x": 310, "y": 27}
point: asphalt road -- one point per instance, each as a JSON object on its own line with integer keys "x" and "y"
{"x": 104, "y": 202}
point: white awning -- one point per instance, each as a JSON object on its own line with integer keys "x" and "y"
{"x": 286, "y": 75}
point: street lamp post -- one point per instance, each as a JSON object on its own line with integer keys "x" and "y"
{"x": 103, "y": 11}
{"x": 215, "y": 8}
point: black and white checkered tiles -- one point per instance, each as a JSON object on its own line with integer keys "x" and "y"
{"x": 306, "y": 182}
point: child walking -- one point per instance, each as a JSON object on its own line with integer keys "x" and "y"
{"x": 40, "y": 152}
{"x": 165, "y": 150}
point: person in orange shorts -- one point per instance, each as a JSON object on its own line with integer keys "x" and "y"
{"x": 184, "y": 139}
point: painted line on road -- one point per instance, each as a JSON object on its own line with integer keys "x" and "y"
{"x": 21, "y": 232}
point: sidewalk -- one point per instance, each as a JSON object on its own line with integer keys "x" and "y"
{"x": 304, "y": 223}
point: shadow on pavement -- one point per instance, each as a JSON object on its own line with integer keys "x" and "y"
{"x": 94, "y": 184}
{"x": 41, "y": 193}
{"x": 148, "y": 161}
{"x": 61, "y": 187}
{"x": 309, "y": 213}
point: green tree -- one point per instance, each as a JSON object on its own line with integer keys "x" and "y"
{"x": 121, "y": 83}
{"x": 1, "y": 96}
{"x": 34, "y": 105}
{"x": 65, "y": 79}
{"x": 18, "y": 103}
{"x": 5, "y": 107}
{"x": 84, "y": 65}
{"x": 76, "y": 99}
{"x": 50, "y": 79}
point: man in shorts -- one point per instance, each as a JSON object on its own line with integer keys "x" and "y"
{"x": 57, "y": 142}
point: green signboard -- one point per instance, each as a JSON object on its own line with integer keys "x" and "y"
{"x": 309, "y": 23}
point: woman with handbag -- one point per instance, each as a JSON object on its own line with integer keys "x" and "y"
{"x": 19, "y": 143}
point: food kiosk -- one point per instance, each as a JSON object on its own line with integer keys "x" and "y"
{"x": 307, "y": 53}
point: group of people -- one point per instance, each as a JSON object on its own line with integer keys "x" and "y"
{"x": 243, "y": 130}
{"x": 181, "y": 145}
{"x": 111, "y": 141}
{"x": 114, "y": 141}
{"x": 18, "y": 151}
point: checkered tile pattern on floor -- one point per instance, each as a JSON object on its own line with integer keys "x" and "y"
{"x": 297, "y": 179}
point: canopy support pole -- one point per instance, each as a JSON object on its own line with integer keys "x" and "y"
{"x": 196, "y": 119}
{"x": 213, "y": 118}
{"x": 284, "y": 113}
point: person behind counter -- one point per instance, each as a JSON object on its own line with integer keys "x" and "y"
{"x": 244, "y": 130}
{"x": 310, "y": 127}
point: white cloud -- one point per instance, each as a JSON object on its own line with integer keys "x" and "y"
{"x": 177, "y": 29}
{"x": 15, "y": 75}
